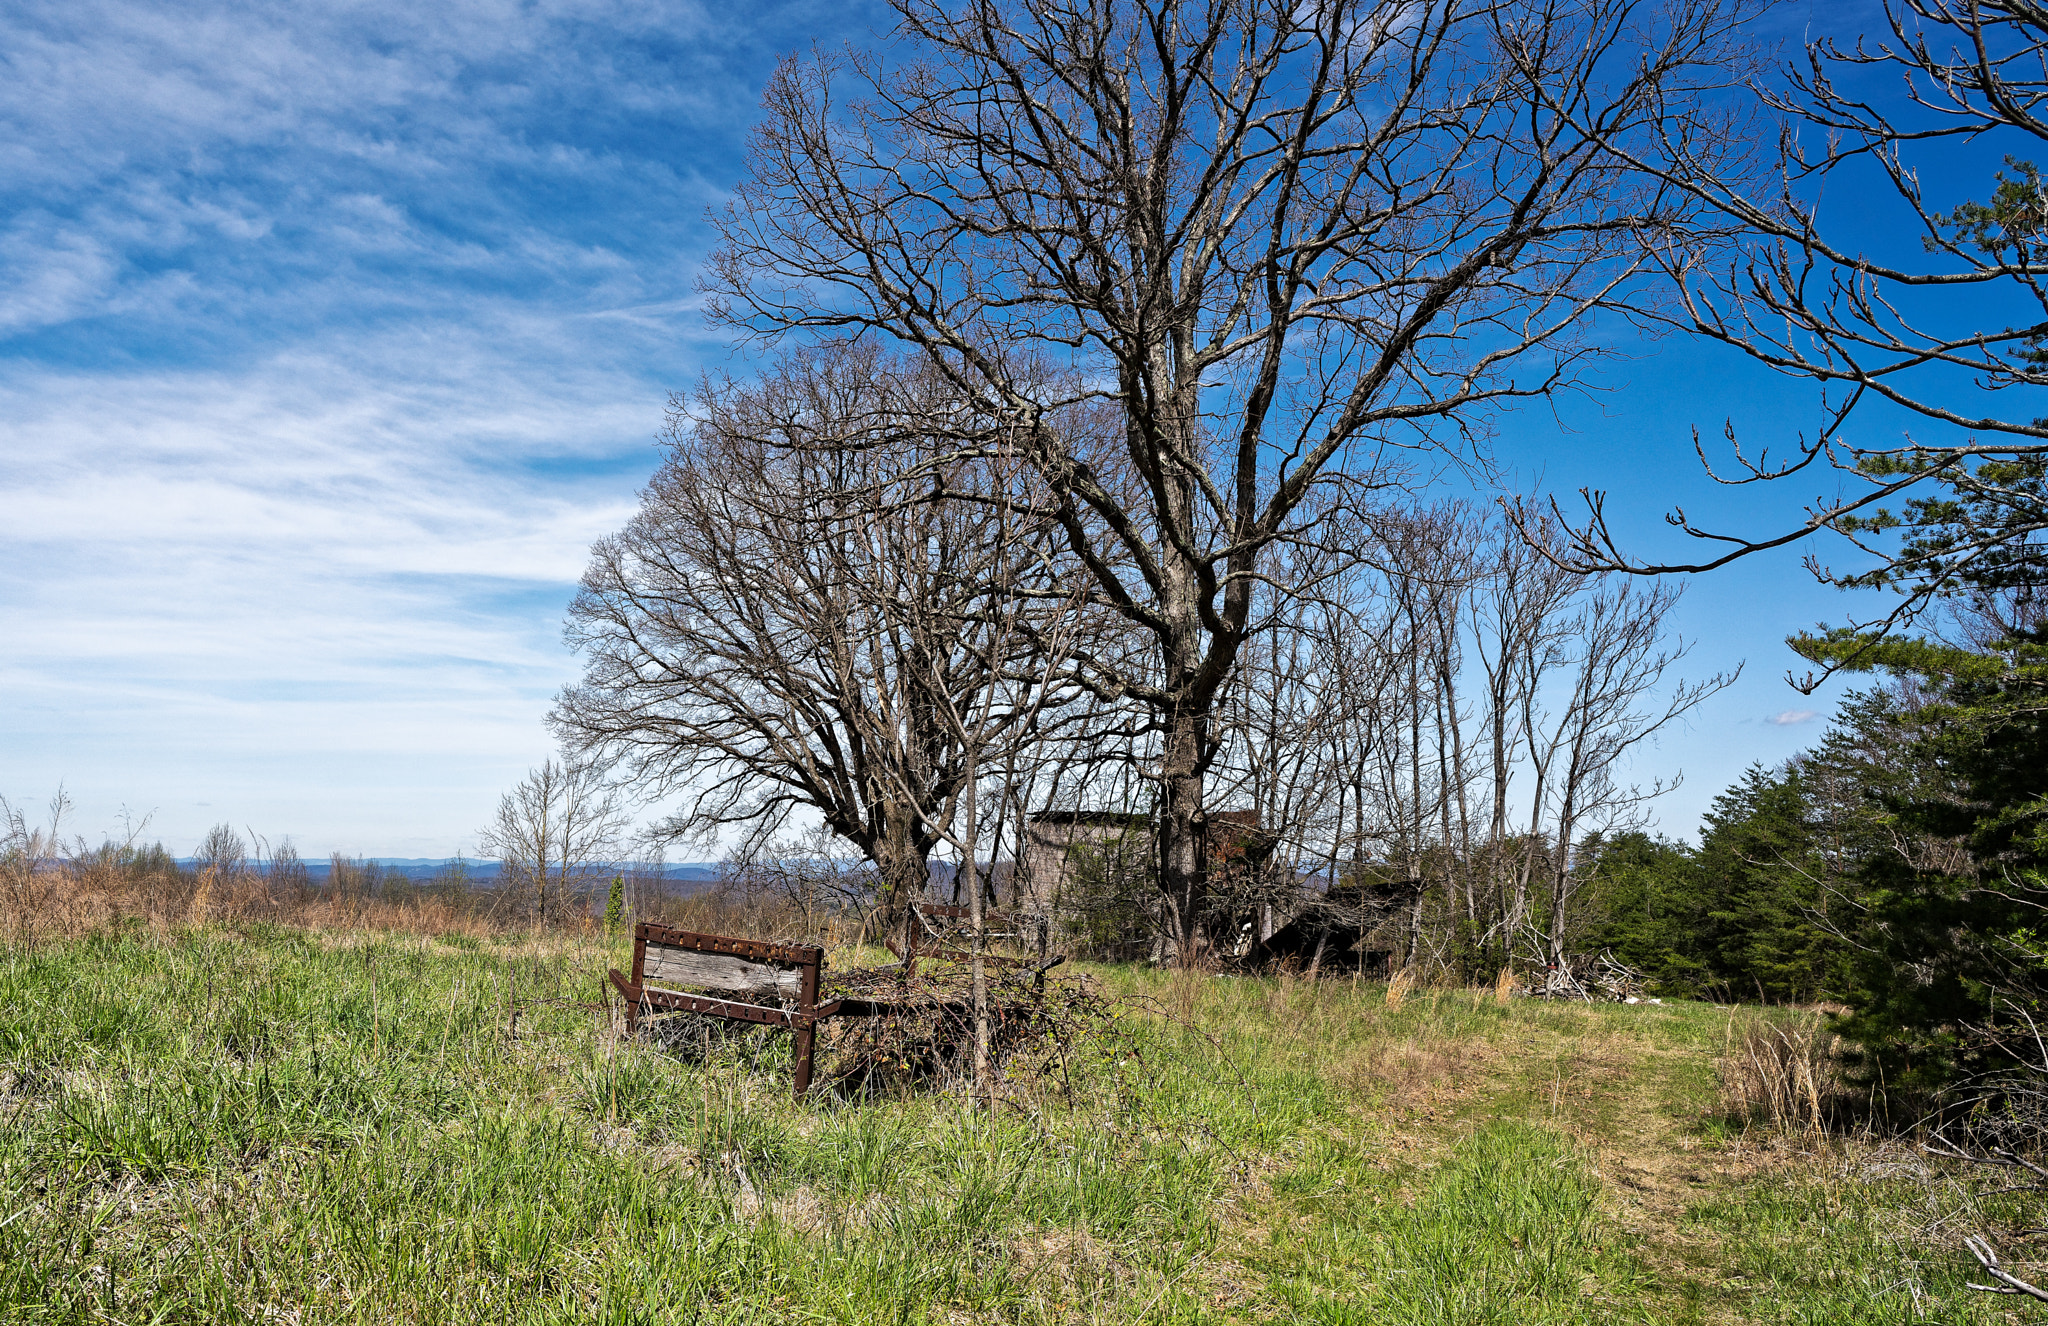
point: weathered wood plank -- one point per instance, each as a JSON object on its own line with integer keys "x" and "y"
{"x": 713, "y": 971}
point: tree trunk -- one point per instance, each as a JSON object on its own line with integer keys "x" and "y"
{"x": 904, "y": 873}
{"x": 977, "y": 917}
{"x": 1182, "y": 867}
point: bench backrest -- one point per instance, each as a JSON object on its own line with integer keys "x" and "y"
{"x": 768, "y": 976}
{"x": 666, "y": 956}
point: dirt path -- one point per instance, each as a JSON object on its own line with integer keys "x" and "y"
{"x": 1633, "y": 1094}
{"x": 1644, "y": 1138}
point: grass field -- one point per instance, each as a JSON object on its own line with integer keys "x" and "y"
{"x": 264, "y": 1124}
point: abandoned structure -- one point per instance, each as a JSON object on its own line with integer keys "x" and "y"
{"x": 1330, "y": 931}
{"x": 1062, "y": 845}
{"x": 1093, "y": 874}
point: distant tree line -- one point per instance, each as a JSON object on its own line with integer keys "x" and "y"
{"x": 1900, "y": 867}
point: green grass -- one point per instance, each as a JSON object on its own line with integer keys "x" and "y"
{"x": 269, "y": 1125}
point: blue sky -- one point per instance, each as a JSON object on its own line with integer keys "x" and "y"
{"x": 331, "y": 336}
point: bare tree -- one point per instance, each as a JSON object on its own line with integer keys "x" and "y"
{"x": 804, "y": 872}
{"x": 1616, "y": 660}
{"x": 287, "y": 871}
{"x": 564, "y": 820}
{"x": 803, "y": 608}
{"x": 1456, "y": 709}
{"x": 29, "y": 856}
{"x": 222, "y": 851}
{"x": 1299, "y": 723}
{"x": 1267, "y": 239}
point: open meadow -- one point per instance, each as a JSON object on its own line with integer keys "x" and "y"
{"x": 257, "y": 1122}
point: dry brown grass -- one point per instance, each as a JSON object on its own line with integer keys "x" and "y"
{"x": 52, "y": 900}
{"x": 1782, "y": 1071}
{"x": 1423, "y": 1075}
{"x": 1394, "y": 1048}
{"x": 70, "y": 899}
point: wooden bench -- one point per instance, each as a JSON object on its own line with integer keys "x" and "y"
{"x": 775, "y": 985}
{"x": 770, "y": 984}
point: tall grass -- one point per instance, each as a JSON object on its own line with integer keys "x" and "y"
{"x": 1781, "y": 1069}
{"x": 237, "y": 1122}
{"x": 248, "y": 1120}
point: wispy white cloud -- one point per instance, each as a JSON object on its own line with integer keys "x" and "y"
{"x": 301, "y": 560}
{"x": 244, "y": 166}
{"x": 1792, "y": 717}
{"x": 50, "y": 273}
{"x": 330, "y": 337}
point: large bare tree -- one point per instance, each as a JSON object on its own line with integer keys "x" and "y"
{"x": 1266, "y": 238}
{"x": 803, "y": 610}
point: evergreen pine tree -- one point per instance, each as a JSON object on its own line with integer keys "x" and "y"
{"x": 1952, "y": 955}
{"x": 1643, "y": 903}
{"x": 615, "y": 904}
{"x": 1762, "y": 884}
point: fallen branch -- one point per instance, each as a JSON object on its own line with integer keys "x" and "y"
{"x": 2008, "y": 1283}
{"x": 1998, "y": 1156}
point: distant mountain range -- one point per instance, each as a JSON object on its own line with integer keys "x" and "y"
{"x": 484, "y": 872}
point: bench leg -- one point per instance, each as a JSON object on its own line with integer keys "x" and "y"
{"x": 806, "y": 1049}
{"x": 807, "y": 1028}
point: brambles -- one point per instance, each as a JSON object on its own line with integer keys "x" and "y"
{"x": 1036, "y": 1025}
